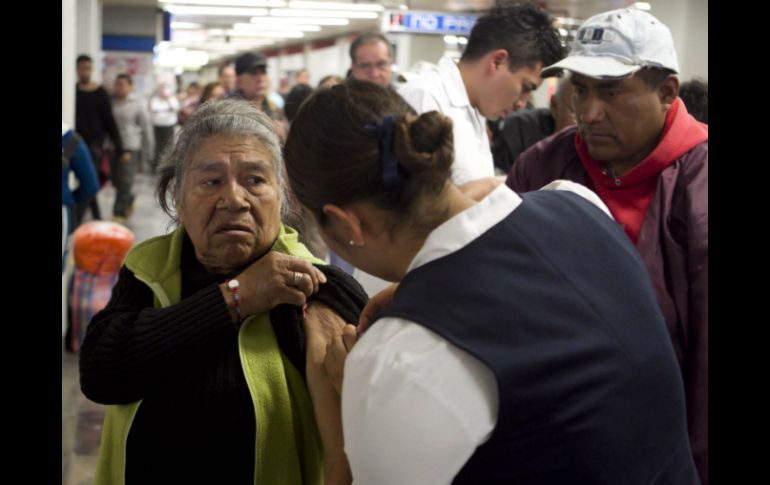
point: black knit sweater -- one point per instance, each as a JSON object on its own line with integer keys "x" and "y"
{"x": 196, "y": 422}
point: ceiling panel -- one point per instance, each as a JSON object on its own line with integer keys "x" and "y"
{"x": 578, "y": 9}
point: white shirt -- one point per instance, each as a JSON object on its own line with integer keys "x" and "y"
{"x": 442, "y": 89}
{"x": 414, "y": 406}
{"x": 164, "y": 111}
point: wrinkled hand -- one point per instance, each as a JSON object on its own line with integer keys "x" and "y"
{"x": 375, "y": 304}
{"x": 336, "y": 352}
{"x": 276, "y": 279}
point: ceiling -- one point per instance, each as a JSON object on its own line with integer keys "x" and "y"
{"x": 216, "y": 34}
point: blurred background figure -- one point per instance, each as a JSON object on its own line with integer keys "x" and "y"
{"x": 133, "y": 121}
{"x": 164, "y": 111}
{"x": 213, "y": 90}
{"x": 523, "y": 128}
{"x": 190, "y": 101}
{"x": 695, "y": 94}
{"x": 302, "y": 77}
{"x": 294, "y": 99}
{"x": 329, "y": 81}
{"x": 75, "y": 160}
{"x": 253, "y": 84}
{"x": 371, "y": 58}
{"x": 227, "y": 78}
{"x": 93, "y": 121}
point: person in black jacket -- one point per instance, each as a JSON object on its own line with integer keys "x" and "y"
{"x": 94, "y": 121}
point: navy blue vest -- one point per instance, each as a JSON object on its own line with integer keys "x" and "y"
{"x": 555, "y": 300}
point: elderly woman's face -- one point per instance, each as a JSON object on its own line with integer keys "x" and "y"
{"x": 230, "y": 202}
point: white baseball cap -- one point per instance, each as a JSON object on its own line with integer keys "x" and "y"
{"x": 618, "y": 43}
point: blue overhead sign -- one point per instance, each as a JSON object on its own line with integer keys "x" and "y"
{"x": 428, "y": 22}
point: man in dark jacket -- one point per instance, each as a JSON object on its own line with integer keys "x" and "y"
{"x": 647, "y": 158}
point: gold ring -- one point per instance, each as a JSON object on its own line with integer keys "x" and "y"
{"x": 295, "y": 279}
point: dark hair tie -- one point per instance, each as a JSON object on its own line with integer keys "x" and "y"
{"x": 383, "y": 132}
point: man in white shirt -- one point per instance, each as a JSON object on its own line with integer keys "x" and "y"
{"x": 506, "y": 50}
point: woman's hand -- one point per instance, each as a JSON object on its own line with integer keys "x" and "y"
{"x": 273, "y": 280}
{"x": 375, "y": 304}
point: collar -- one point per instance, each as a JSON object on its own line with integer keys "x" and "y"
{"x": 453, "y": 82}
{"x": 463, "y": 228}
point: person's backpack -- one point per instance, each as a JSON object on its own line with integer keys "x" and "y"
{"x": 69, "y": 150}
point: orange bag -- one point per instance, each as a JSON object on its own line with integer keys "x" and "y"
{"x": 100, "y": 247}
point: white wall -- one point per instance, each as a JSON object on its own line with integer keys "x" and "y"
{"x": 89, "y": 34}
{"x": 328, "y": 60}
{"x": 418, "y": 47}
{"x": 68, "y": 56}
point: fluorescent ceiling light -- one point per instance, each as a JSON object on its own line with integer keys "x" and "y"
{"x": 403, "y": 7}
{"x": 462, "y": 40}
{"x": 185, "y": 25}
{"x": 273, "y": 27}
{"x": 189, "y": 36}
{"x": 232, "y": 46}
{"x": 230, "y": 12}
{"x": 642, "y": 6}
{"x": 450, "y": 39}
{"x": 273, "y": 34}
{"x": 298, "y": 21}
{"x": 228, "y": 3}
{"x": 291, "y": 12}
{"x": 182, "y": 57}
{"x": 371, "y": 7}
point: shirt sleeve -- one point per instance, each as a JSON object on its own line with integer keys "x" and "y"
{"x": 131, "y": 347}
{"x": 414, "y": 406}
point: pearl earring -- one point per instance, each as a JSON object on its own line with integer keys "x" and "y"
{"x": 351, "y": 242}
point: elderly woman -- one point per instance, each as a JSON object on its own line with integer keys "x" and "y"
{"x": 201, "y": 351}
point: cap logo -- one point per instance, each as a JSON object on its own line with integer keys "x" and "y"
{"x": 595, "y": 35}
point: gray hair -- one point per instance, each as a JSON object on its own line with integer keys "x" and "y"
{"x": 232, "y": 117}
{"x": 369, "y": 38}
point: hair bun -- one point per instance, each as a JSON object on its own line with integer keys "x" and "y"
{"x": 430, "y": 131}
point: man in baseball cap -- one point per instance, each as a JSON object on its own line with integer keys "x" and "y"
{"x": 636, "y": 146}
{"x": 252, "y": 83}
